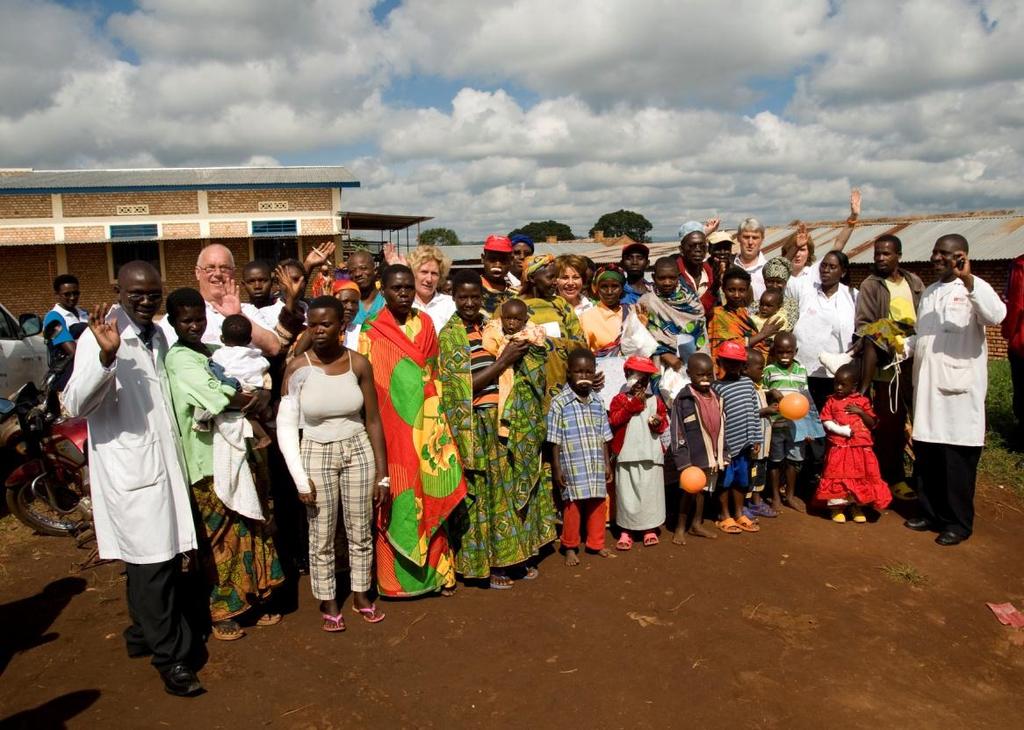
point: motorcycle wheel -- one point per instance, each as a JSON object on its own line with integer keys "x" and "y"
{"x": 40, "y": 516}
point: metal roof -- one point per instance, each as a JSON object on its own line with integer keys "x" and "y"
{"x": 990, "y": 237}
{"x": 174, "y": 178}
{"x": 471, "y": 252}
{"x": 351, "y": 220}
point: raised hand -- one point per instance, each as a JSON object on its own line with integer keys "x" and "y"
{"x": 106, "y": 333}
{"x": 802, "y": 236}
{"x": 318, "y": 255}
{"x": 392, "y": 256}
{"x": 230, "y": 303}
{"x": 711, "y": 225}
{"x": 855, "y": 203}
{"x": 292, "y": 290}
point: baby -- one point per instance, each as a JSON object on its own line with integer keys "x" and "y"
{"x": 237, "y": 363}
{"x": 769, "y": 306}
{"x": 514, "y": 324}
{"x": 239, "y": 359}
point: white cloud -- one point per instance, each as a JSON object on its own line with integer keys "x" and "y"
{"x": 654, "y": 106}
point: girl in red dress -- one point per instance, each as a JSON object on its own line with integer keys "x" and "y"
{"x": 850, "y": 477}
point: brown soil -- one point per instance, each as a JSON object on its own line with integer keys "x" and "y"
{"x": 797, "y": 626}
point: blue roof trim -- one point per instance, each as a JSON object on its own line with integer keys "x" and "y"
{"x": 178, "y": 188}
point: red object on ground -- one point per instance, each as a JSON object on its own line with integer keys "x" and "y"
{"x": 1007, "y": 614}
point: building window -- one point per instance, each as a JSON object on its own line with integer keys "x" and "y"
{"x": 274, "y": 250}
{"x": 122, "y": 253}
{"x": 134, "y": 230}
{"x": 275, "y": 228}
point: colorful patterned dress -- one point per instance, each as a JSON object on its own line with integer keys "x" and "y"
{"x": 732, "y": 324}
{"x": 413, "y": 553}
{"x": 488, "y": 531}
{"x": 237, "y": 554}
{"x": 553, "y": 314}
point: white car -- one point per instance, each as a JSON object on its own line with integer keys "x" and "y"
{"x": 22, "y": 351}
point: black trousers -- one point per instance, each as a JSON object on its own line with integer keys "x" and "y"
{"x": 945, "y": 484}
{"x": 158, "y": 625}
{"x": 1017, "y": 378}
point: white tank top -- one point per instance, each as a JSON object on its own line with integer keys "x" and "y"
{"x": 331, "y": 404}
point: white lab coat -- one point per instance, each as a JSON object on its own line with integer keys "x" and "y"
{"x": 951, "y": 362}
{"x": 140, "y": 495}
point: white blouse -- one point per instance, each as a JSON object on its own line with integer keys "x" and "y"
{"x": 826, "y": 324}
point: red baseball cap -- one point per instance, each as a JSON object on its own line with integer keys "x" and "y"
{"x": 640, "y": 365}
{"x": 498, "y": 244}
{"x": 635, "y": 244}
{"x": 731, "y": 350}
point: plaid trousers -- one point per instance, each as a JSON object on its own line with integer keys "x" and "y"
{"x": 342, "y": 472}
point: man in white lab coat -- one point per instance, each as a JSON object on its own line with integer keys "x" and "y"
{"x": 141, "y": 504}
{"x": 950, "y": 381}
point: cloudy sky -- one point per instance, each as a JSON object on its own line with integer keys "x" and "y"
{"x": 487, "y": 115}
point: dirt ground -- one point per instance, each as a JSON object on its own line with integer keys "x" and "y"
{"x": 798, "y": 626}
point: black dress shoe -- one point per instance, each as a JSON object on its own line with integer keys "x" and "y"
{"x": 949, "y": 538}
{"x": 181, "y": 681}
{"x": 918, "y": 524}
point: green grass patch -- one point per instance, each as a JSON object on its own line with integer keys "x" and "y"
{"x": 1002, "y": 461}
{"x": 904, "y": 573}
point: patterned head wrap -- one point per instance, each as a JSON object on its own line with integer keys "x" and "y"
{"x": 533, "y": 264}
{"x": 778, "y": 268}
{"x": 607, "y": 272}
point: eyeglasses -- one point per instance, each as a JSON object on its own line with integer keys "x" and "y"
{"x": 214, "y": 269}
{"x": 151, "y": 297}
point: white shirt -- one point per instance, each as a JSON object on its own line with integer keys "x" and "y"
{"x": 79, "y": 316}
{"x": 826, "y": 324}
{"x": 440, "y": 309}
{"x": 809, "y": 276}
{"x": 246, "y": 364}
{"x": 214, "y": 323}
{"x": 140, "y": 496}
{"x": 754, "y": 269}
{"x": 951, "y": 362}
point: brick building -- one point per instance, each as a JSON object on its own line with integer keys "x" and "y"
{"x": 89, "y": 222}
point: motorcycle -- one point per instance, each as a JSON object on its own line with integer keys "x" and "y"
{"x": 49, "y": 490}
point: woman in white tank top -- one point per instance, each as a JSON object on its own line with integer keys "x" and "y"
{"x": 341, "y": 460}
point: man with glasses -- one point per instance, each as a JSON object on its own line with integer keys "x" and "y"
{"x": 140, "y": 498}
{"x": 215, "y": 274}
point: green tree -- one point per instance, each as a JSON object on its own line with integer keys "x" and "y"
{"x": 439, "y": 237}
{"x": 623, "y": 223}
{"x": 540, "y": 230}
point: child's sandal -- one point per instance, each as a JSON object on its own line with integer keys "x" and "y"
{"x": 729, "y": 526}
{"x": 625, "y": 542}
{"x": 747, "y": 525}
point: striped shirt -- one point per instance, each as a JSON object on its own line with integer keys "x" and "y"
{"x": 785, "y": 380}
{"x": 479, "y": 359}
{"x": 742, "y": 413}
{"x": 580, "y": 429}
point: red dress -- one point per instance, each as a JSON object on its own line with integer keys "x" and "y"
{"x": 851, "y": 469}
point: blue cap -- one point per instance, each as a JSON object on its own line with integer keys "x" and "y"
{"x": 689, "y": 227}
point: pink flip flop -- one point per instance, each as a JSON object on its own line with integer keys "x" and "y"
{"x": 369, "y": 614}
{"x": 333, "y": 624}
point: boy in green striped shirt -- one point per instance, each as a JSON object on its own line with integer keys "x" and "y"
{"x": 785, "y": 375}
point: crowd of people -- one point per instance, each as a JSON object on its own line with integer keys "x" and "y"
{"x": 454, "y": 425}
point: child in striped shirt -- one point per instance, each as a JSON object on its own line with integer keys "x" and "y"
{"x": 742, "y": 410}
{"x": 785, "y": 375}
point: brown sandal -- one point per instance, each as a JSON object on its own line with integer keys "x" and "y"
{"x": 227, "y": 630}
{"x": 729, "y": 526}
{"x": 747, "y": 525}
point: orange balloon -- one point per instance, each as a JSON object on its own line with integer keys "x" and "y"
{"x": 692, "y": 479}
{"x": 794, "y": 406}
